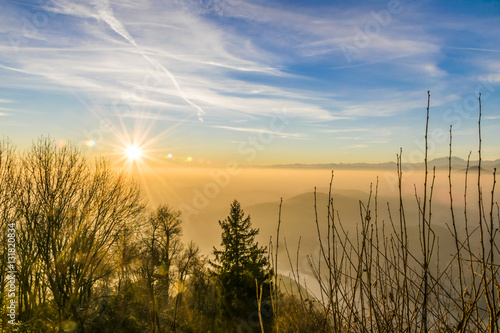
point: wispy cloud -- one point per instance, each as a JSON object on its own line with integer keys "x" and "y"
{"x": 346, "y": 130}
{"x": 105, "y": 13}
{"x": 136, "y": 73}
{"x": 365, "y": 133}
{"x": 323, "y": 33}
{"x": 261, "y": 130}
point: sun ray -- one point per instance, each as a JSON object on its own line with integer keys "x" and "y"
{"x": 134, "y": 148}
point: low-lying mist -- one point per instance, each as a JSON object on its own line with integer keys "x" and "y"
{"x": 203, "y": 195}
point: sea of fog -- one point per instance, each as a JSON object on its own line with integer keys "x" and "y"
{"x": 204, "y": 195}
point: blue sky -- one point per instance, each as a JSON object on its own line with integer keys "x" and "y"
{"x": 259, "y": 82}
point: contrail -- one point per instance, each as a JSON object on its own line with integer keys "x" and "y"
{"x": 106, "y": 13}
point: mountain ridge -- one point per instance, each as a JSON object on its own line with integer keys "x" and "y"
{"x": 439, "y": 163}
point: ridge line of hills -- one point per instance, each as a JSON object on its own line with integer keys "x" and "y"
{"x": 457, "y": 163}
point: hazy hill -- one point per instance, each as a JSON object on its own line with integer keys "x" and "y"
{"x": 298, "y": 218}
{"x": 440, "y": 163}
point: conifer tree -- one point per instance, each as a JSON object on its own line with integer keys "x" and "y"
{"x": 238, "y": 263}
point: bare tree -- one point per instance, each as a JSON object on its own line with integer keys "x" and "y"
{"x": 161, "y": 246}
{"x": 186, "y": 263}
{"x": 72, "y": 214}
{"x": 8, "y": 192}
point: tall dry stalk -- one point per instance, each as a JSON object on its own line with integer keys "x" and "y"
{"x": 374, "y": 281}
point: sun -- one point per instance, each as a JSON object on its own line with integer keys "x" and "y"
{"x": 133, "y": 152}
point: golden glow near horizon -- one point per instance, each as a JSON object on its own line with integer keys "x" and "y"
{"x": 138, "y": 152}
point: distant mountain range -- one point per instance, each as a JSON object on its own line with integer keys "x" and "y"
{"x": 440, "y": 164}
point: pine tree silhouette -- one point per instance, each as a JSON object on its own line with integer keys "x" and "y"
{"x": 238, "y": 263}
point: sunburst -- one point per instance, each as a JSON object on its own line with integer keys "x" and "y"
{"x": 133, "y": 152}
{"x": 137, "y": 151}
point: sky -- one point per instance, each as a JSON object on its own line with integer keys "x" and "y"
{"x": 212, "y": 82}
